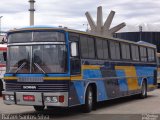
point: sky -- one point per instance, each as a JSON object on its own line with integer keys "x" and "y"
{"x": 71, "y": 13}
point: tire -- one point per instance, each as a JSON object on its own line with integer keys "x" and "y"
{"x": 143, "y": 90}
{"x": 39, "y": 108}
{"x": 88, "y": 106}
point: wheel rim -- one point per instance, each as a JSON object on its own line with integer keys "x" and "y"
{"x": 90, "y": 98}
{"x": 144, "y": 89}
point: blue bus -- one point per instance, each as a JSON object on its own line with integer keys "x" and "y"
{"x": 60, "y": 67}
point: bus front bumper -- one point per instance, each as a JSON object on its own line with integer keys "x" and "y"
{"x": 59, "y": 99}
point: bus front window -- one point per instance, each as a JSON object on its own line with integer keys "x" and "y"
{"x": 49, "y": 59}
{"x": 19, "y": 59}
{"x": 37, "y": 52}
{"x": 45, "y": 59}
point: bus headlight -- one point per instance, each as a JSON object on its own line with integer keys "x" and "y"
{"x": 7, "y": 97}
{"x": 11, "y": 97}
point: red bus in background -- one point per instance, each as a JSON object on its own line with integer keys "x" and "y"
{"x": 3, "y": 54}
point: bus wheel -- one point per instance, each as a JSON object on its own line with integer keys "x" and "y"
{"x": 88, "y": 106}
{"x": 39, "y": 108}
{"x": 143, "y": 90}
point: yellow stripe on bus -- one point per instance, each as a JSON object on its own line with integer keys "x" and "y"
{"x": 79, "y": 77}
{"x": 45, "y": 78}
{"x": 130, "y": 71}
{"x": 10, "y": 78}
{"x": 76, "y": 77}
{"x": 92, "y": 67}
{"x": 56, "y": 78}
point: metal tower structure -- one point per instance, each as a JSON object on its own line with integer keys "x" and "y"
{"x": 31, "y": 12}
{"x": 100, "y": 28}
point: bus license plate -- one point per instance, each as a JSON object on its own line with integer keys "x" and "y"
{"x": 28, "y": 97}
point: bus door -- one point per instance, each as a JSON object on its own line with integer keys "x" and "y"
{"x": 74, "y": 55}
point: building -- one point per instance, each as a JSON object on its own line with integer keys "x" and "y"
{"x": 150, "y": 33}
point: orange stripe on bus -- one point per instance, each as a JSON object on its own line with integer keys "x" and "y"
{"x": 130, "y": 71}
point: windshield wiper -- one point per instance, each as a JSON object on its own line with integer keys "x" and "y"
{"x": 20, "y": 67}
{"x": 39, "y": 68}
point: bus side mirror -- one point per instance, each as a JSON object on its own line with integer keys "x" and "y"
{"x": 74, "y": 49}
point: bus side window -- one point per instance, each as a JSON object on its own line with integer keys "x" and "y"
{"x": 143, "y": 54}
{"x": 87, "y": 47}
{"x": 151, "y": 55}
{"x": 114, "y": 50}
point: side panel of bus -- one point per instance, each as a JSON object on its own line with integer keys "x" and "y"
{"x": 109, "y": 78}
{"x": 112, "y": 81}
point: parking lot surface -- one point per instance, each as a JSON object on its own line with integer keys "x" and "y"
{"x": 126, "y": 108}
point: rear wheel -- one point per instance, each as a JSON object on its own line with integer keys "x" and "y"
{"x": 39, "y": 108}
{"x": 88, "y": 106}
{"x": 143, "y": 90}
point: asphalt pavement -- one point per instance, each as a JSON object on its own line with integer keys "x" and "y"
{"x": 128, "y": 108}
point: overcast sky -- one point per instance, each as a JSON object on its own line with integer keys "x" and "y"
{"x": 71, "y": 13}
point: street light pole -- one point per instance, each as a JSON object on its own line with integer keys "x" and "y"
{"x": 0, "y": 24}
{"x": 32, "y": 11}
{"x": 140, "y": 33}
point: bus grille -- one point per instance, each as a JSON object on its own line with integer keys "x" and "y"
{"x": 60, "y": 87}
{"x": 30, "y": 79}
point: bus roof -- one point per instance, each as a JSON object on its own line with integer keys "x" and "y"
{"x": 42, "y": 27}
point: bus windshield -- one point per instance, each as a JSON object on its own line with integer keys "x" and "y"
{"x": 41, "y": 36}
{"x": 37, "y": 59}
{"x": 37, "y": 52}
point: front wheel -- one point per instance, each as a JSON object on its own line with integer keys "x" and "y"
{"x": 143, "y": 90}
{"x": 88, "y": 106}
{"x": 39, "y": 108}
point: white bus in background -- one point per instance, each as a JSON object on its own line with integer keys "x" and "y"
{"x": 3, "y": 54}
{"x": 158, "y": 71}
